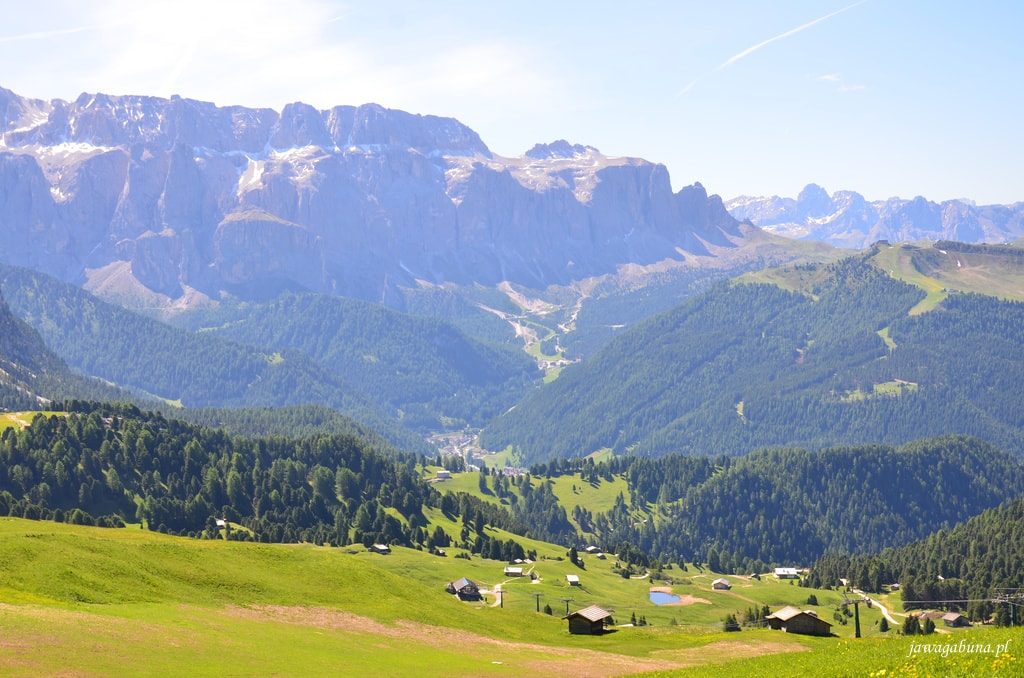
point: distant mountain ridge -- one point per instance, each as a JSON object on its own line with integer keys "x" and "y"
{"x": 848, "y": 219}
{"x": 173, "y": 201}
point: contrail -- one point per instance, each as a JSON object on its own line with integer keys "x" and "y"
{"x": 764, "y": 43}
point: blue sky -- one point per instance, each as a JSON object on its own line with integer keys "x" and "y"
{"x": 887, "y": 97}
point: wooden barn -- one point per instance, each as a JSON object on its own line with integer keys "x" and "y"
{"x": 513, "y": 571}
{"x": 573, "y": 579}
{"x": 721, "y": 585}
{"x": 955, "y": 619}
{"x": 793, "y": 620}
{"x": 464, "y": 589}
{"x": 382, "y": 549}
{"x": 588, "y": 621}
{"x": 786, "y": 573}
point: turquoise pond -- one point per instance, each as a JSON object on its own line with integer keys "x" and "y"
{"x": 659, "y": 598}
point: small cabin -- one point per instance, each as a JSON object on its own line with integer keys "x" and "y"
{"x": 382, "y": 549}
{"x": 588, "y": 621}
{"x": 955, "y": 619}
{"x": 592, "y": 550}
{"x": 721, "y": 585}
{"x": 573, "y": 579}
{"x": 444, "y": 474}
{"x": 786, "y": 573}
{"x": 513, "y": 571}
{"x": 793, "y": 620}
{"x": 464, "y": 589}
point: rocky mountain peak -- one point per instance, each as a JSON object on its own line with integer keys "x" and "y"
{"x": 168, "y": 199}
{"x": 560, "y": 149}
{"x": 848, "y": 219}
{"x": 815, "y": 200}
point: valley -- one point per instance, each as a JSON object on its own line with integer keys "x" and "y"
{"x": 317, "y": 389}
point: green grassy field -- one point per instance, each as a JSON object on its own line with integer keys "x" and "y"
{"x": 938, "y": 272}
{"x": 791, "y": 278}
{"x": 89, "y": 601}
{"x": 897, "y": 262}
{"x": 23, "y": 419}
{"x": 933, "y": 270}
{"x": 570, "y": 489}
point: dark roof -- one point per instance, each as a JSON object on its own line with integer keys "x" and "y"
{"x": 463, "y": 583}
{"x": 592, "y": 613}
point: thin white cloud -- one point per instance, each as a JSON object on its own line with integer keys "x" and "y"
{"x": 840, "y": 82}
{"x": 45, "y": 35}
{"x": 739, "y": 56}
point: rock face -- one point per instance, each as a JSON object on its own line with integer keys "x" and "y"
{"x": 194, "y": 199}
{"x": 846, "y": 219}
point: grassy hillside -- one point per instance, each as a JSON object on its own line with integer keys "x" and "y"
{"x": 130, "y": 602}
{"x": 832, "y": 356}
{"x": 994, "y": 270}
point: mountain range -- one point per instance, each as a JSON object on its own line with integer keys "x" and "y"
{"x": 848, "y": 219}
{"x": 169, "y": 202}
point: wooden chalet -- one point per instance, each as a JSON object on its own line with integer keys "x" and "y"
{"x": 382, "y": 549}
{"x": 513, "y": 571}
{"x": 955, "y": 619}
{"x": 793, "y": 620}
{"x": 721, "y": 585}
{"x": 573, "y": 579}
{"x": 588, "y": 621}
{"x": 464, "y": 589}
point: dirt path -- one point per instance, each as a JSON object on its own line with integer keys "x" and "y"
{"x": 499, "y": 594}
{"x": 885, "y": 611}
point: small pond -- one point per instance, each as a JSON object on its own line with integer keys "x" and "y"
{"x": 661, "y": 598}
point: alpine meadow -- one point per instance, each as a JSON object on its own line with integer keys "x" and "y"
{"x": 328, "y": 349}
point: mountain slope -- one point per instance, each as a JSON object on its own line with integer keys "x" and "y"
{"x": 423, "y": 367}
{"x": 969, "y": 562}
{"x": 374, "y": 364}
{"x": 749, "y": 365}
{"x": 847, "y": 219}
{"x": 789, "y": 506}
{"x": 189, "y": 369}
{"x": 170, "y": 202}
{"x": 30, "y": 374}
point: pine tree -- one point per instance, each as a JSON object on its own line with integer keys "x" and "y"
{"x": 883, "y": 626}
{"x": 911, "y": 626}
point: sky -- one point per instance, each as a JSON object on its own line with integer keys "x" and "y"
{"x": 886, "y": 97}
